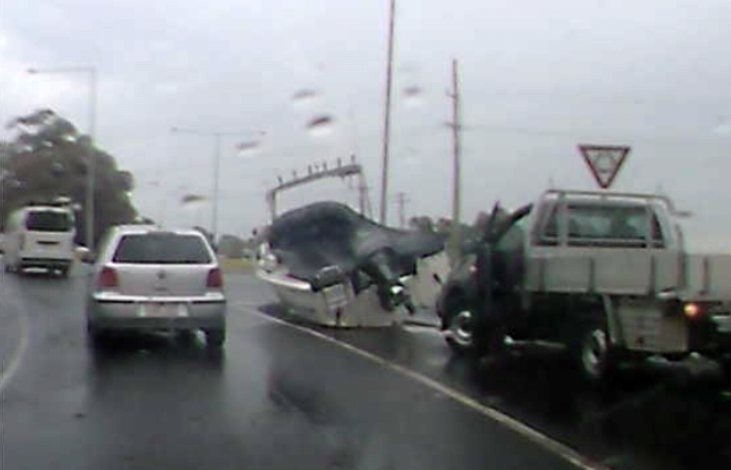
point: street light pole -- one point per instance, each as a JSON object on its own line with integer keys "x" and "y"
{"x": 457, "y": 157}
{"x": 217, "y": 136}
{"x": 91, "y": 164}
{"x": 216, "y": 178}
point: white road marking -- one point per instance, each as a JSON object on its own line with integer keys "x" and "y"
{"x": 19, "y": 353}
{"x": 535, "y": 436}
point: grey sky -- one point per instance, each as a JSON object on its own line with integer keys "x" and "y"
{"x": 537, "y": 77}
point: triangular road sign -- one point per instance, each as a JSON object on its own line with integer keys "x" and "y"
{"x": 604, "y": 162}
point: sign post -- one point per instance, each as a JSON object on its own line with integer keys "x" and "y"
{"x": 604, "y": 161}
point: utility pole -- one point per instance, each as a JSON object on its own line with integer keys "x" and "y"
{"x": 457, "y": 155}
{"x": 387, "y": 115}
{"x": 401, "y": 200}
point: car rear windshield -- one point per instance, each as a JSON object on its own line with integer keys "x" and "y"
{"x": 167, "y": 248}
{"x": 49, "y": 221}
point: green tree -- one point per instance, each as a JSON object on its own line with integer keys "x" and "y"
{"x": 48, "y": 158}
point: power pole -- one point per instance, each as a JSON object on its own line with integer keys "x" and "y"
{"x": 387, "y": 114}
{"x": 401, "y": 200}
{"x": 457, "y": 155}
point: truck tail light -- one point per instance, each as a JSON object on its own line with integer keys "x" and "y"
{"x": 215, "y": 279}
{"x": 108, "y": 278}
{"x": 692, "y": 310}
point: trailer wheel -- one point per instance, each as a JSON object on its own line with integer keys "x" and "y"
{"x": 596, "y": 359}
{"x": 468, "y": 336}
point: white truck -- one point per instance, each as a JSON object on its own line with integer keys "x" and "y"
{"x": 604, "y": 274}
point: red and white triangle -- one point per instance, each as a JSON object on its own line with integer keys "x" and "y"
{"x": 604, "y": 162}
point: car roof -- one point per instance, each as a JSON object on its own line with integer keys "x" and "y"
{"x": 152, "y": 229}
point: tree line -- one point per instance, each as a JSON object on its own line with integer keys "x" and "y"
{"x": 48, "y": 158}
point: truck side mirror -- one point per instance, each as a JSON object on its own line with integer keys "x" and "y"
{"x": 85, "y": 255}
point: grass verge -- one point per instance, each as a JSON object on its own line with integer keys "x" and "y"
{"x": 236, "y": 265}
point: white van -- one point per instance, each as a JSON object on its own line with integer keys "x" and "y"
{"x": 40, "y": 237}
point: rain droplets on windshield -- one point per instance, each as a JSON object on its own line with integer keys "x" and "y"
{"x": 320, "y": 126}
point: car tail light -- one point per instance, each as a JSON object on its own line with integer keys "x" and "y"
{"x": 215, "y": 278}
{"x": 108, "y": 278}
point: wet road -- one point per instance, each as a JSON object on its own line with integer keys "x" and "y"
{"x": 281, "y": 397}
{"x": 278, "y": 398}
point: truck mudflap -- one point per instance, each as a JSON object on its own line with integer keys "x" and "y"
{"x": 643, "y": 325}
{"x": 684, "y": 339}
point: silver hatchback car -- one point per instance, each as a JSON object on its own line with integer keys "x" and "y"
{"x": 147, "y": 278}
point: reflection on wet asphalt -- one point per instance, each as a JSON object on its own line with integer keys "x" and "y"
{"x": 279, "y": 398}
{"x": 640, "y": 422}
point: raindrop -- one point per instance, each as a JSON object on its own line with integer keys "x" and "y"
{"x": 191, "y": 200}
{"x": 320, "y": 126}
{"x": 723, "y": 127}
{"x": 412, "y": 91}
{"x": 413, "y": 95}
{"x": 304, "y": 97}
{"x": 248, "y": 148}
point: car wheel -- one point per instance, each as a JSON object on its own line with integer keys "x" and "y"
{"x": 596, "y": 360}
{"x": 215, "y": 337}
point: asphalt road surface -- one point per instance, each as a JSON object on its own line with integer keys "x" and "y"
{"x": 285, "y": 395}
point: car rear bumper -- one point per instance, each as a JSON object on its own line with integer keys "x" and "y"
{"x": 143, "y": 315}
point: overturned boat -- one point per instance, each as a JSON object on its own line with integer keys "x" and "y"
{"x": 334, "y": 267}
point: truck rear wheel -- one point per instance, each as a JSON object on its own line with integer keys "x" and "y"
{"x": 595, "y": 356}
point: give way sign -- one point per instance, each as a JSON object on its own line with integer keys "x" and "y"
{"x": 604, "y": 161}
